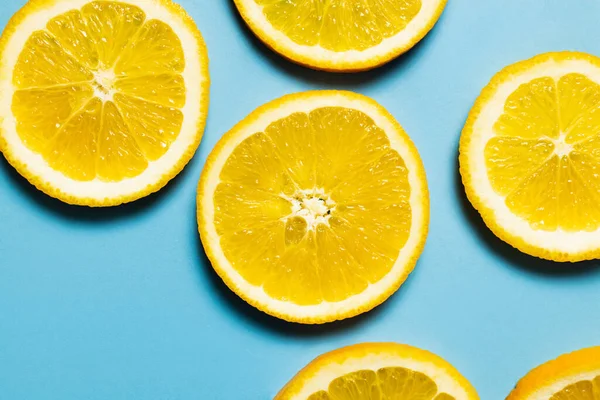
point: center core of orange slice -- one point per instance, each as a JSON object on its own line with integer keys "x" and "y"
{"x": 310, "y": 208}
{"x": 561, "y": 147}
{"x": 104, "y": 82}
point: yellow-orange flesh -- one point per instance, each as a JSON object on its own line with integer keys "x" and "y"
{"x": 582, "y": 390}
{"x": 315, "y": 208}
{"x": 391, "y": 383}
{"x": 99, "y": 91}
{"x": 340, "y": 25}
{"x": 545, "y": 155}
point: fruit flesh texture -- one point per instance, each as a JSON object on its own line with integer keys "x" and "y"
{"x": 391, "y": 383}
{"x": 545, "y": 155}
{"x": 99, "y": 91}
{"x": 315, "y": 208}
{"x": 340, "y": 25}
{"x": 582, "y": 390}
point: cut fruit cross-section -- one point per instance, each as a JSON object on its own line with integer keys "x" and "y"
{"x": 341, "y": 35}
{"x": 378, "y": 371}
{"x": 315, "y": 207}
{"x": 530, "y": 156}
{"x": 101, "y": 102}
{"x": 574, "y": 376}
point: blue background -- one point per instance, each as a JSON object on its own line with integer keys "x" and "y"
{"x": 122, "y": 304}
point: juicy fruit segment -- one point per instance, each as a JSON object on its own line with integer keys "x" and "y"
{"x": 99, "y": 91}
{"x": 572, "y": 376}
{"x": 72, "y": 150}
{"x": 315, "y": 208}
{"x": 340, "y": 25}
{"x": 378, "y": 371}
{"x": 383, "y": 384}
{"x": 545, "y": 157}
{"x": 44, "y": 63}
{"x": 582, "y": 390}
{"x": 41, "y": 112}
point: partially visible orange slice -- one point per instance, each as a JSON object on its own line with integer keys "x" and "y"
{"x": 378, "y": 371}
{"x": 341, "y": 35}
{"x": 574, "y": 376}
{"x": 530, "y": 156}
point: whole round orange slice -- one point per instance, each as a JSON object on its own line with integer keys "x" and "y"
{"x": 315, "y": 207}
{"x": 530, "y": 156}
{"x": 101, "y": 102}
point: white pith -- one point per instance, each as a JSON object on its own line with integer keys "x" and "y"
{"x": 388, "y": 45}
{"x": 417, "y": 200}
{"x": 323, "y": 377}
{"x": 547, "y": 391}
{"x": 559, "y": 240}
{"x": 194, "y": 75}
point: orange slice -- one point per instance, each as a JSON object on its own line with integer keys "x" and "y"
{"x": 315, "y": 207}
{"x": 101, "y": 102}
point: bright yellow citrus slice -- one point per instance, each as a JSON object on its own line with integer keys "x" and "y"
{"x": 315, "y": 207}
{"x": 101, "y": 102}
{"x": 530, "y": 156}
{"x": 341, "y": 35}
{"x": 378, "y": 371}
{"x": 574, "y": 376}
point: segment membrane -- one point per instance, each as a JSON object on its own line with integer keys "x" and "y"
{"x": 579, "y": 107}
{"x": 153, "y": 126}
{"x": 545, "y": 156}
{"x": 119, "y": 156}
{"x": 44, "y": 63}
{"x": 156, "y": 50}
{"x": 531, "y": 111}
{"x": 111, "y": 26}
{"x": 71, "y": 30}
{"x": 536, "y": 198}
{"x": 73, "y": 149}
{"x": 340, "y": 25}
{"x": 511, "y": 159}
{"x": 40, "y": 113}
{"x": 582, "y": 390}
{"x": 165, "y": 89}
{"x": 316, "y": 208}
{"x": 390, "y": 383}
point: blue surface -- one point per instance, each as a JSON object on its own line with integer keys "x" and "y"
{"x": 122, "y": 303}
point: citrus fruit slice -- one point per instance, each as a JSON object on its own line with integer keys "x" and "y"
{"x": 341, "y": 35}
{"x": 530, "y": 156}
{"x": 574, "y": 376}
{"x": 378, "y": 371}
{"x": 315, "y": 207}
{"x": 101, "y": 102}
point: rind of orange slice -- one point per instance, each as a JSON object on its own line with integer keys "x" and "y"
{"x": 101, "y": 102}
{"x": 378, "y": 370}
{"x": 315, "y": 207}
{"x": 529, "y": 156}
{"x": 339, "y": 35}
{"x": 573, "y": 376}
